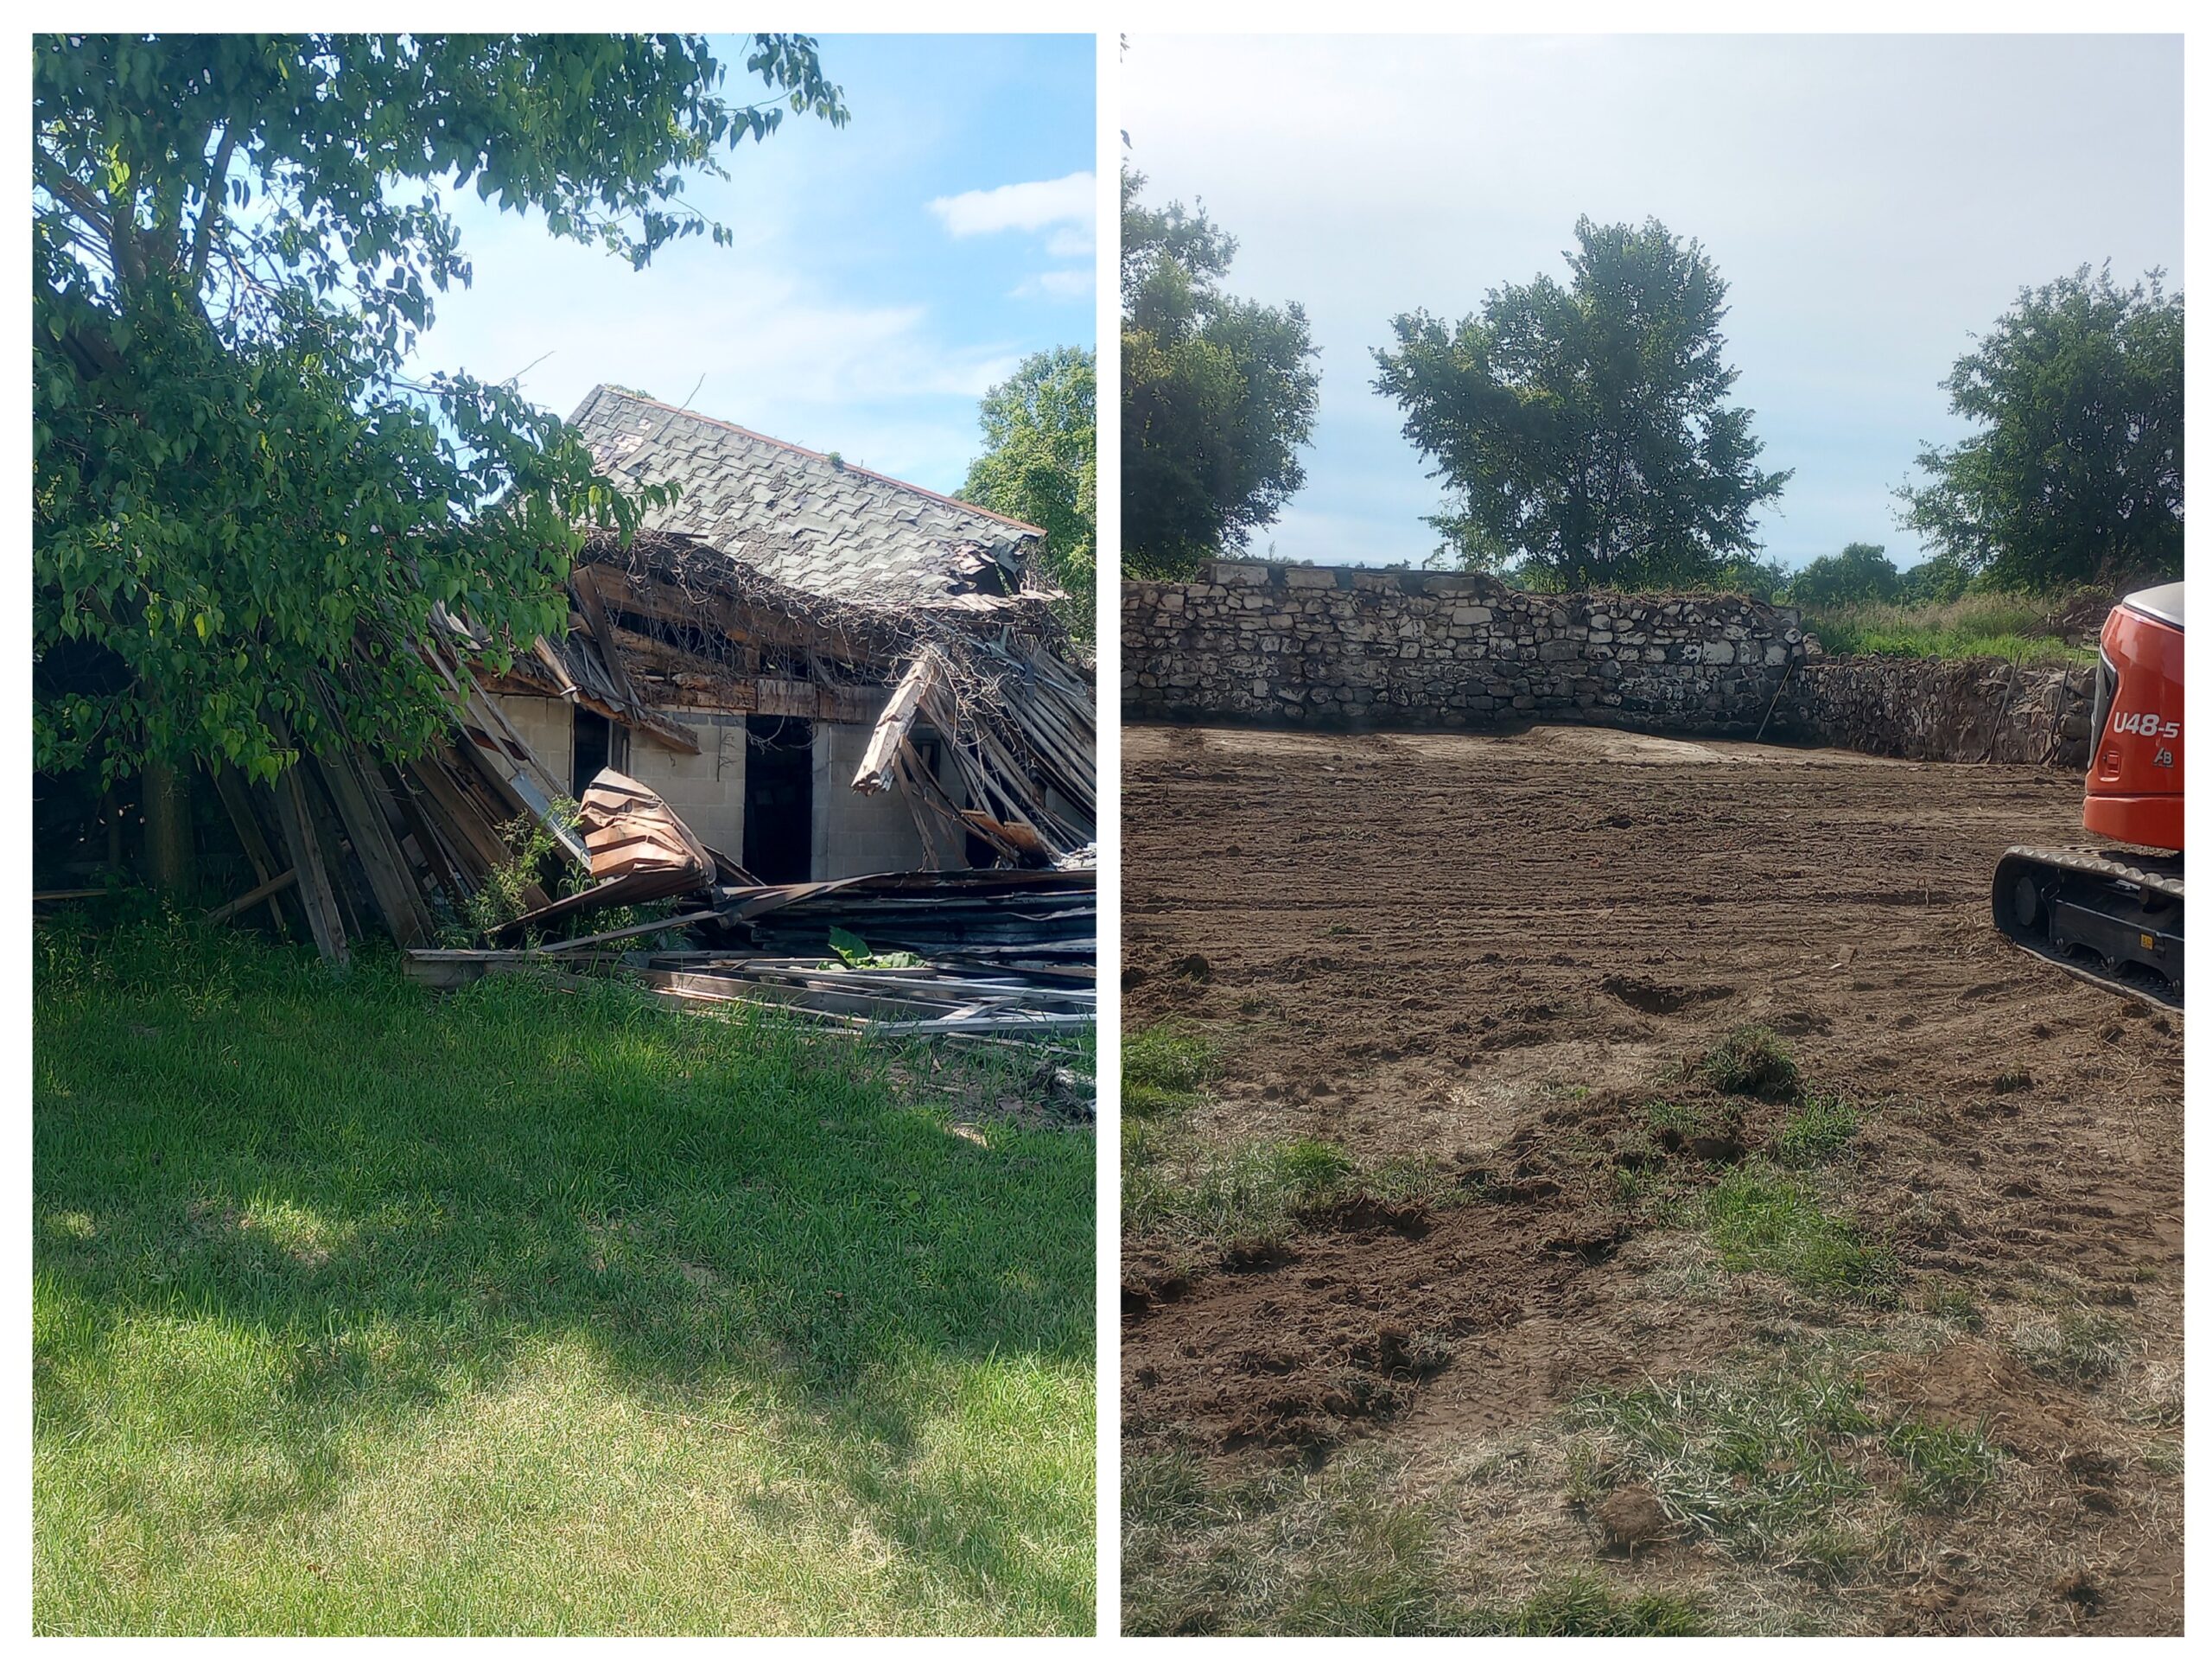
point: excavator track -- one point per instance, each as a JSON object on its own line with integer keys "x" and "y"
{"x": 2110, "y": 916}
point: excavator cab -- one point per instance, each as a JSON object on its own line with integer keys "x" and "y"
{"x": 2113, "y": 916}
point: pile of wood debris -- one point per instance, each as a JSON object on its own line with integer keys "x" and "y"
{"x": 999, "y": 953}
{"x": 344, "y": 845}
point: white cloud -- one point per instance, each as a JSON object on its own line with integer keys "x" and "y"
{"x": 1040, "y": 205}
{"x": 1071, "y": 284}
{"x": 736, "y": 336}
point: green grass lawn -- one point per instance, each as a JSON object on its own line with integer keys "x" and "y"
{"x": 534, "y": 1309}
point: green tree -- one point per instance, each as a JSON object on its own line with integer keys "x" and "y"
{"x": 2076, "y": 476}
{"x": 1217, "y": 394}
{"x": 1746, "y": 574}
{"x": 244, "y": 510}
{"x": 1936, "y": 581}
{"x": 1584, "y": 429}
{"x": 1040, "y": 463}
{"x": 1862, "y": 575}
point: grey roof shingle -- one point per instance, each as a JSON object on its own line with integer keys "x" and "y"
{"x": 823, "y": 526}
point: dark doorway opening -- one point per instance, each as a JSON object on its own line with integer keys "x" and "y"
{"x": 594, "y": 749}
{"x": 929, "y": 747}
{"x": 779, "y": 799}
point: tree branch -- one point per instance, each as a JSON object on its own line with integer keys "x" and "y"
{"x": 211, "y": 208}
{"x": 64, "y": 188}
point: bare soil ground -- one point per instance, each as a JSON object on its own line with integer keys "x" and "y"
{"x": 1569, "y": 1327}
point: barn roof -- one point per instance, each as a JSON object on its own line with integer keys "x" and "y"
{"x": 811, "y": 521}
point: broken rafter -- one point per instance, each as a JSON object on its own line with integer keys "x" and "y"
{"x": 880, "y": 764}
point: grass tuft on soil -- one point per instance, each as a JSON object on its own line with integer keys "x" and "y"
{"x": 1335, "y": 1553}
{"x": 538, "y": 1309}
{"x": 1584, "y": 1605}
{"x": 1765, "y": 1220}
{"x": 1207, "y": 1198}
{"x": 1164, "y": 1070}
{"x": 1751, "y": 1061}
{"x": 1789, "y": 1463}
{"x": 2077, "y": 1347}
{"x": 1238, "y": 1201}
{"x": 1332, "y": 1552}
{"x": 1815, "y": 1130}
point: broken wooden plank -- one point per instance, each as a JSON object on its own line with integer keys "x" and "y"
{"x": 251, "y": 897}
{"x": 467, "y": 828}
{"x": 391, "y": 883}
{"x": 880, "y": 761}
{"x": 810, "y": 998}
{"x": 430, "y": 846}
{"x": 631, "y": 930}
{"x": 238, "y": 803}
{"x": 330, "y": 836}
{"x": 325, "y": 922}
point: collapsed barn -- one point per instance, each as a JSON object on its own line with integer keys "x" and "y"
{"x": 807, "y": 703}
{"x": 737, "y": 656}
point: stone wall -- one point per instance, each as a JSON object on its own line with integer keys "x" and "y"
{"x": 1355, "y": 646}
{"x": 1942, "y": 709}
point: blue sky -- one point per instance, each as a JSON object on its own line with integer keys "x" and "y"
{"x": 883, "y": 276}
{"x": 1872, "y": 202}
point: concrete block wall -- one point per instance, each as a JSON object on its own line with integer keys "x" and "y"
{"x": 853, "y": 834}
{"x": 707, "y": 789}
{"x": 547, "y": 727}
{"x": 1354, "y": 647}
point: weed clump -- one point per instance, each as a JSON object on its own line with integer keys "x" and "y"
{"x": 1335, "y": 1553}
{"x": 1817, "y": 1131}
{"x": 1163, "y": 1071}
{"x": 1756, "y": 1461}
{"x": 1790, "y": 1465}
{"x": 505, "y": 894}
{"x": 1945, "y": 1466}
{"x": 1751, "y": 1061}
{"x": 1953, "y": 1305}
{"x": 2080, "y": 1347}
{"x": 2024, "y": 628}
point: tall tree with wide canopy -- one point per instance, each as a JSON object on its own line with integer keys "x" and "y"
{"x": 1040, "y": 463}
{"x": 1862, "y": 575}
{"x": 1585, "y": 428}
{"x": 244, "y": 509}
{"x": 2075, "y": 474}
{"x": 1217, "y": 394}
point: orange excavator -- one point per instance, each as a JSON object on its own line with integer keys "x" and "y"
{"x": 2113, "y": 916}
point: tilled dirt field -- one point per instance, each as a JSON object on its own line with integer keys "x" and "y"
{"x": 1489, "y": 956}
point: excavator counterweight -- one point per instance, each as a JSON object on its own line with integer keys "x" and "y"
{"x": 2113, "y": 916}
